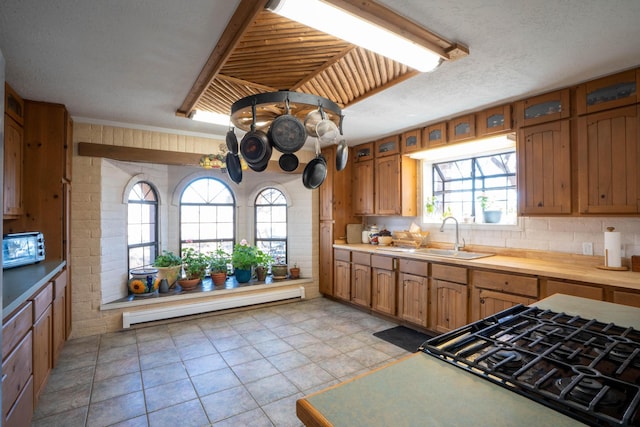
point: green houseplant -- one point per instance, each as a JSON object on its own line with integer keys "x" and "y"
{"x": 262, "y": 265}
{"x": 243, "y": 258}
{"x": 489, "y": 215}
{"x": 195, "y": 268}
{"x": 218, "y": 264}
{"x": 168, "y": 265}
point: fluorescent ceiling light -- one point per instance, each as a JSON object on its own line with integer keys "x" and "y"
{"x": 209, "y": 117}
{"x": 467, "y": 149}
{"x": 337, "y": 22}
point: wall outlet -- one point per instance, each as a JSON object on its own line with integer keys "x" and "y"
{"x": 587, "y": 248}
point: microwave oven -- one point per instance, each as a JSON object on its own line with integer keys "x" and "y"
{"x": 20, "y": 249}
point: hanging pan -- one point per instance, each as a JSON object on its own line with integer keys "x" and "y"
{"x": 234, "y": 168}
{"x": 232, "y": 141}
{"x": 255, "y": 146}
{"x": 288, "y": 162}
{"x": 315, "y": 172}
{"x": 287, "y": 133}
{"x": 342, "y": 152}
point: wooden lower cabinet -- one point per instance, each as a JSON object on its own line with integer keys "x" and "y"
{"x": 342, "y": 280}
{"x": 361, "y": 284}
{"x": 326, "y": 258}
{"x": 448, "y": 305}
{"x": 17, "y": 394}
{"x": 414, "y": 298}
{"x": 485, "y": 302}
{"x": 42, "y": 346}
{"x": 59, "y": 313}
{"x": 626, "y": 297}
{"x": 21, "y": 413}
{"x": 384, "y": 284}
{"x": 570, "y": 288}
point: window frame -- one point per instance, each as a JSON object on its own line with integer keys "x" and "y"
{"x": 256, "y": 206}
{"x": 153, "y": 243}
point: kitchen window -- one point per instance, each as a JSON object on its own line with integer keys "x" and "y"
{"x": 479, "y": 189}
{"x": 142, "y": 225}
{"x": 207, "y": 216}
{"x": 271, "y": 223}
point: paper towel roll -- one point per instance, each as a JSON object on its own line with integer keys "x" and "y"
{"x": 612, "y": 248}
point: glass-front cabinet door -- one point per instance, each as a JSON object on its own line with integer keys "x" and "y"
{"x": 462, "y": 128}
{"x": 608, "y": 92}
{"x": 544, "y": 108}
{"x": 434, "y": 135}
{"x": 494, "y": 120}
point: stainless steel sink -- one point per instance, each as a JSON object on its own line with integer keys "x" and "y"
{"x": 445, "y": 253}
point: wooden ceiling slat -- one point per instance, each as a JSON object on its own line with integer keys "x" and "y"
{"x": 347, "y": 81}
{"x": 337, "y": 84}
{"x": 350, "y": 69}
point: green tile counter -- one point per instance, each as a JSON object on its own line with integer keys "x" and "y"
{"x": 21, "y": 283}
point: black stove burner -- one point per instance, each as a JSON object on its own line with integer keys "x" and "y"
{"x": 505, "y": 360}
{"x": 587, "y": 389}
{"x": 586, "y": 369}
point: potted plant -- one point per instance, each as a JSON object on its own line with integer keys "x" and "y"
{"x": 489, "y": 215}
{"x": 195, "y": 268}
{"x": 243, "y": 259}
{"x": 263, "y": 262}
{"x": 168, "y": 265}
{"x": 294, "y": 272}
{"x": 218, "y": 264}
{"x": 279, "y": 269}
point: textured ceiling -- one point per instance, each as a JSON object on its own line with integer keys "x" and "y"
{"x": 133, "y": 62}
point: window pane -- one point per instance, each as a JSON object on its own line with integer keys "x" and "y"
{"x": 271, "y": 223}
{"x": 142, "y": 225}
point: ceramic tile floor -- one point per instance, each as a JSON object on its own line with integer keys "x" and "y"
{"x": 237, "y": 369}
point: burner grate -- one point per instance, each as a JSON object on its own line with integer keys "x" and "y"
{"x": 586, "y": 369}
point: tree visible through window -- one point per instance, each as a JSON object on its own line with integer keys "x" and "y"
{"x": 142, "y": 225}
{"x": 207, "y": 216}
{"x": 462, "y": 187}
{"x": 271, "y": 223}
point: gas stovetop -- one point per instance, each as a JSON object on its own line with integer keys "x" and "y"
{"x": 586, "y": 369}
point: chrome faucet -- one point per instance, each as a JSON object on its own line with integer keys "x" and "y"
{"x": 456, "y": 246}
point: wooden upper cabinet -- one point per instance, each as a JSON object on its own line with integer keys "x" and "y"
{"x": 411, "y": 141}
{"x": 494, "y": 120}
{"x": 387, "y": 146}
{"x": 609, "y": 162}
{"x": 608, "y": 92}
{"x": 363, "y": 152}
{"x": 395, "y": 186}
{"x": 434, "y": 135}
{"x": 544, "y": 108}
{"x": 544, "y": 169}
{"x": 12, "y": 206}
{"x": 462, "y": 128}
{"x": 13, "y": 104}
{"x": 363, "y": 191}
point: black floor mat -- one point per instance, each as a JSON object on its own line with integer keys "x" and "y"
{"x": 403, "y": 337}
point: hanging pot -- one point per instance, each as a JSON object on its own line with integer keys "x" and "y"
{"x": 234, "y": 168}
{"x": 327, "y": 131}
{"x": 288, "y": 162}
{"x": 232, "y": 141}
{"x": 255, "y": 144}
{"x": 342, "y": 155}
{"x": 287, "y": 133}
{"x": 315, "y": 172}
{"x": 311, "y": 121}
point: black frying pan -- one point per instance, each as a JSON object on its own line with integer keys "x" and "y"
{"x": 234, "y": 168}
{"x": 232, "y": 141}
{"x": 287, "y": 133}
{"x": 288, "y": 162}
{"x": 255, "y": 143}
{"x": 315, "y": 172}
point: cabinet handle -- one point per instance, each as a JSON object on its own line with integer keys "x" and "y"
{"x": 481, "y": 300}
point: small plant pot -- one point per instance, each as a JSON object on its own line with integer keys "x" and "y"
{"x": 261, "y": 273}
{"x": 169, "y": 273}
{"x": 492, "y": 217}
{"x": 243, "y": 276}
{"x": 188, "y": 284}
{"x": 294, "y": 273}
{"x": 219, "y": 278}
{"x": 279, "y": 271}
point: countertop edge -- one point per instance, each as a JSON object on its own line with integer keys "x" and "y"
{"x": 531, "y": 266}
{"x": 21, "y": 283}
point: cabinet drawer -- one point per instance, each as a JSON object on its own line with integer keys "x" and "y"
{"x": 411, "y": 266}
{"x": 626, "y": 298}
{"x": 342, "y": 255}
{"x": 15, "y": 328}
{"x": 449, "y": 273}
{"x": 510, "y": 283}
{"x": 42, "y": 301}
{"x": 16, "y": 370}
{"x": 22, "y": 412}
{"x": 59, "y": 284}
{"x": 362, "y": 258}
{"x": 383, "y": 262}
{"x": 584, "y": 291}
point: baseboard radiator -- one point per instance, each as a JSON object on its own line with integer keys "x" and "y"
{"x": 234, "y": 301}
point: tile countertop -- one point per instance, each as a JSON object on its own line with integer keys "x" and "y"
{"x": 20, "y": 283}
{"x": 545, "y": 268}
{"x": 411, "y": 391}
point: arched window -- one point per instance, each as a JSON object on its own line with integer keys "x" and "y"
{"x": 271, "y": 223}
{"x": 207, "y": 216}
{"x": 142, "y": 225}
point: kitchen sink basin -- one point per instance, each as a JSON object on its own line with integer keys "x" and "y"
{"x": 445, "y": 253}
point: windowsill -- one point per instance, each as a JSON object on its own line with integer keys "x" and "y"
{"x": 517, "y": 226}
{"x": 205, "y": 290}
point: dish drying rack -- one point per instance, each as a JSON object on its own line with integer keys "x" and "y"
{"x": 410, "y": 239}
